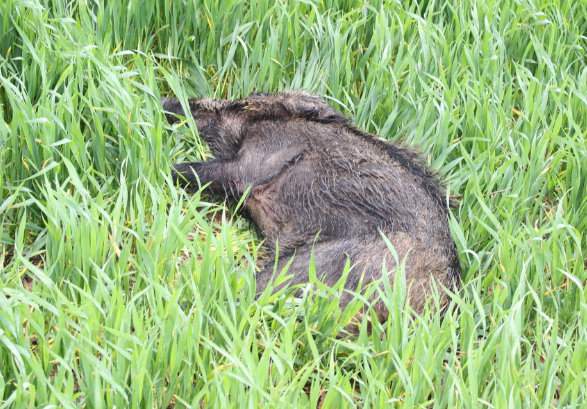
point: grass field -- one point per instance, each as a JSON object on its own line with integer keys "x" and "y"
{"x": 119, "y": 290}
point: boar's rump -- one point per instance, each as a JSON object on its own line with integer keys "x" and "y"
{"x": 319, "y": 186}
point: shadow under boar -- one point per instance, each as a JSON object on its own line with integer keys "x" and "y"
{"x": 321, "y": 187}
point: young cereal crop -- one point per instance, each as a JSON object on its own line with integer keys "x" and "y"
{"x": 118, "y": 289}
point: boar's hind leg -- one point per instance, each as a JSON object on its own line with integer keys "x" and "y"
{"x": 217, "y": 173}
{"x": 426, "y": 266}
{"x": 329, "y": 260}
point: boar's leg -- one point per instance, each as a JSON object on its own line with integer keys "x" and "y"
{"x": 329, "y": 259}
{"x": 218, "y": 174}
{"x": 369, "y": 257}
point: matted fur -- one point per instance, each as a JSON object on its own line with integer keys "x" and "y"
{"x": 321, "y": 187}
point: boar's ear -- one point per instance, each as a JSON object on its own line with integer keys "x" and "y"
{"x": 260, "y": 94}
{"x": 296, "y": 104}
{"x": 313, "y": 107}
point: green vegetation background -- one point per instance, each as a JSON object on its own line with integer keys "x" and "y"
{"x": 118, "y": 290}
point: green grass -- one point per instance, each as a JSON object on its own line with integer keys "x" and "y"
{"x": 119, "y": 290}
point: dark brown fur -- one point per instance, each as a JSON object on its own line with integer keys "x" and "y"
{"x": 320, "y": 186}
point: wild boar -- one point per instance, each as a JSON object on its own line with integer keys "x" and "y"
{"x": 319, "y": 186}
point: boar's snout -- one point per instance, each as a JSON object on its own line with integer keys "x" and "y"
{"x": 172, "y": 108}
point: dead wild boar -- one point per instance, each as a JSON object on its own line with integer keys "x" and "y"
{"x": 320, "y": 186}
